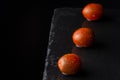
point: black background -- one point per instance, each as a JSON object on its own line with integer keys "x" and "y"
{"x": 28, "y": 25}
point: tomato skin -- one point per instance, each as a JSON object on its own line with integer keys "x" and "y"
{"x": 83, "y": 37}
{"x": 92, "y": 11}
{"x": 69, "y": 64}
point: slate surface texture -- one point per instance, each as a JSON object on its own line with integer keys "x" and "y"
{"x": 101, "y": 61}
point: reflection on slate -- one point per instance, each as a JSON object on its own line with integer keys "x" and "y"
{"x": 101, "y": 61}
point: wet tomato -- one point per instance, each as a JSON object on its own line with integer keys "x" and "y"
{"x": 83, "y": 37}
{"x": 92, "y": 11}
{"x": 69, "y": 64}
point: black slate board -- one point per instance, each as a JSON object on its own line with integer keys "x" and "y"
{"x": 100, "y": 61}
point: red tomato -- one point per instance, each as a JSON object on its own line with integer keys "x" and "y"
{"x": 69, "y": 64}
{"x": 92, "y": 11}
{"x": 83, "y": 37}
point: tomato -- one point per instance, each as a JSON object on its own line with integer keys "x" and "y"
{"x": 83, "y": 37}
{"x": 69, "y": 64}
{"x": 92, "y": 11}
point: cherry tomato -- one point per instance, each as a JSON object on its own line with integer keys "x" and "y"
{"x": 83, "y": 37}
{"x": 69, "y": 64}
{"x": 92, "y": 11}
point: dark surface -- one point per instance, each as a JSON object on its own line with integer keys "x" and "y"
{"x": 100, "y": 61}
{"x": 27, "y": 24}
